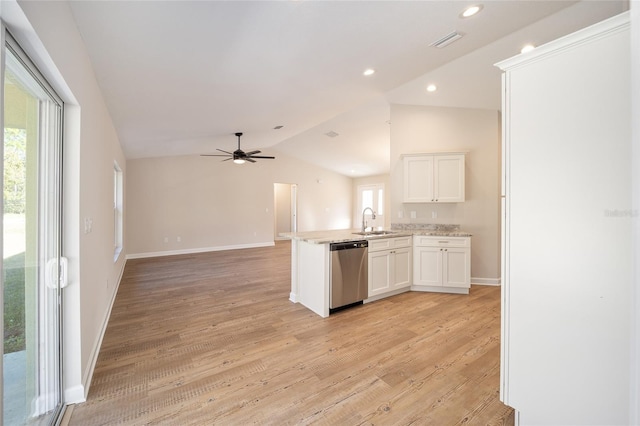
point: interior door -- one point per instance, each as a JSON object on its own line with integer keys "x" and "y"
{"x": 32, "y": 266}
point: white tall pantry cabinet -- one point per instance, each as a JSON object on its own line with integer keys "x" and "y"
{"x": 567, "y": 219}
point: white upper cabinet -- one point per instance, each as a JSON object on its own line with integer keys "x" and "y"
{"x": 433, "y": 178}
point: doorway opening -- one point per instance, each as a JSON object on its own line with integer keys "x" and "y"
{"x": 285, "y": 209}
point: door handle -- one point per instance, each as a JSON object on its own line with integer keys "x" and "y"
{"x": 52, "y": 275}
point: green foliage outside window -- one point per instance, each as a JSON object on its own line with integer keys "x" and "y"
{"x": 14, "y": 170}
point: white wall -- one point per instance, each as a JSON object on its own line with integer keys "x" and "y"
{"x": 634, "y": 394}
{"x": 214, "y": 205}
{"x": 422, "y": 129}
{"x": 47, "y": 31}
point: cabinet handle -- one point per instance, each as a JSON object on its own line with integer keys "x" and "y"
{"x": 443, "y": 242}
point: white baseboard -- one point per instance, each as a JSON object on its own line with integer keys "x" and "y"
{"x": 437, "y": 289}
{"x": 198, "y": 250}
{"x": 74, "y": 395}
{"x": 486, "y": 281}
{"x": 293, "y": 297}
{"x": 88, "y": 374}
{"x": 385, "y": 295}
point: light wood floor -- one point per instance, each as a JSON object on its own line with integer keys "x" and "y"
{"x": 212, "y": 338}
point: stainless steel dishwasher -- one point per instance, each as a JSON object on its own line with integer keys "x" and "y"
{"x": 349, "y": 274}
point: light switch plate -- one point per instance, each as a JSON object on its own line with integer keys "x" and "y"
{"x": 413, "y": 215}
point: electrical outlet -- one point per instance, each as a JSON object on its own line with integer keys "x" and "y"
{"x": 400, "y": 214}
{"x": 178, "y": 239}
{"x": 434, "y": 215}
{"x": 166, "y": 239}
{"x": 413, "y": 215}
{"x": 88, "y": 225}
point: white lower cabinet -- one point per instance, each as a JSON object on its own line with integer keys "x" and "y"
{"x": 389, "y": 267}
{"x": 442, "y": 264}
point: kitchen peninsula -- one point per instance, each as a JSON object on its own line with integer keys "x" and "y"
{"x": 440, "y": 262}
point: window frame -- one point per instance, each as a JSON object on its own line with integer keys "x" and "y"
{"x": 378, "y": 200}
{"x": 118, "y": 210}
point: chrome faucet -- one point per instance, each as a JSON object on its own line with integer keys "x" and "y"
{"x": 364, "y": 222}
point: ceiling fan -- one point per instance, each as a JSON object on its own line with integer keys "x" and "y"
{"x": 238, "y": 156}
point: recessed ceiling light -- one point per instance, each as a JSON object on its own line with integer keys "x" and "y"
{"x": 471, "y": 10}
{"x": 432, "y": 88}
{"x": 527, "y": 48}
{"x": 369, "y": 71}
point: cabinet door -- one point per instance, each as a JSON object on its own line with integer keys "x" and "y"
{"x": 418, "y": 179}
{"x": 427, "y": 266}
{"x": 379, "y": 272}
{"x": 456, "y": 267}
{"x": 448, "y": 178}
{"x": 401, "y": 263}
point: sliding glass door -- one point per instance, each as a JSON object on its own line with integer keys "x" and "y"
{"x": 32, "y": 267}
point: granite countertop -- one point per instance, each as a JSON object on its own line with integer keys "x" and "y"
{"x": 430, "y": 229}
{"x": 338, "y": 236}
{"x": 397, "y": 230}
{"x": 442, "y": 233}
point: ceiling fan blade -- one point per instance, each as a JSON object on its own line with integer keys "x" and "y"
{"x": 239, "y": 154}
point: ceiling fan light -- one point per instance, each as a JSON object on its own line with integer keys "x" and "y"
{"x": 238, "y": 161}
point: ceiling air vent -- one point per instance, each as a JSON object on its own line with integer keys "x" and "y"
{"x": 446, "y": 40}
{"x": 331, "y": 134}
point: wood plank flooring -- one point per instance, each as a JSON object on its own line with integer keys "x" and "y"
{"x": 212, "y": 338}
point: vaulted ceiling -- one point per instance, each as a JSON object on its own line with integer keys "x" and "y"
{"x": 181, "y": 77}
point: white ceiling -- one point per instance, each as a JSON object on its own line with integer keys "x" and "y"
{"x": 180, "y": 77}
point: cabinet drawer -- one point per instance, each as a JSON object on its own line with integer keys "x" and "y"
{"x": 389, "y": 243}
{"x": 419, "y": 241}
{"x": 381, "y": 244}
{"x": 402, "y": 242}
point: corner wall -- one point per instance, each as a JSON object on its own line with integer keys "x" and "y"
{"x": 193, "y": 203}
{"x": 426, "y": 129}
